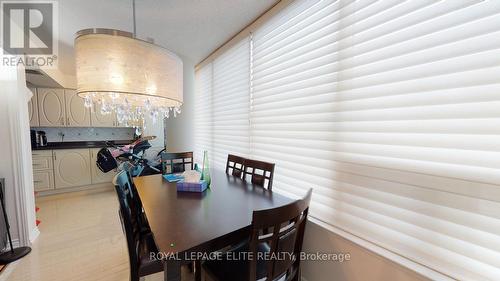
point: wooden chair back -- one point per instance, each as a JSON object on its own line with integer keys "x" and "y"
{"x": 259, "y": 172}
{"x": 235, "y": 165}
{"x": 176, "y": 162}
{"x": 287, "y": 225}
{"x": 129, "y": 224}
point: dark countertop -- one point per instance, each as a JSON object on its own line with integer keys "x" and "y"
{"x": 79, "y": 144}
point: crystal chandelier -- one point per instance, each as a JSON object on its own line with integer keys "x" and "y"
{"x": 131, "y": 78}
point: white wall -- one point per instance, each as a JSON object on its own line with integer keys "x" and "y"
{"x": 363, "y": 264}
{"x": 15, "y": 149}
{"x": 6, "y": 169}
{"x": 180, "y": 130}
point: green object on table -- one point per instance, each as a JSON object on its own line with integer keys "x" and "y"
{"x": 205, "y": 173}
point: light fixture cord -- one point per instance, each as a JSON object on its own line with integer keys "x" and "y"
{"x": 133, "y": 14}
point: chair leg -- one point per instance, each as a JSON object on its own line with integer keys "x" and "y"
{"x": 134, "y": 275}
{"x": 297, "y": 275}
{"x": 190, "y": 266}
{"x": 135, "y": 278}
{"x": 197, "y": 270}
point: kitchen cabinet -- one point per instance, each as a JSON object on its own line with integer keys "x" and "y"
{"x": 64, "y": 108}
{"x": 33, "y": 109}
{"x": 77, "y": 115}
{"x": 97, "y": 175}
{"x": 43, "y": 180}
{"x": 71, "y": 167}
{"x": 43, "y": 170}
{"x": 102, "y": 120}
{"x": 42, "y": 163}
{"x": 64, "y": 170}
{"x": 51, "y": 107}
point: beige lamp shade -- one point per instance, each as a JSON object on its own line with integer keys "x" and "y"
{"x": 111, "y": 64}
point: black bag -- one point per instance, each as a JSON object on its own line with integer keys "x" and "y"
{"x": 105, "y": 160}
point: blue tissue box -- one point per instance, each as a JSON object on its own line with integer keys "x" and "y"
{"x": 192, "y": 186}
{"x": 173, "y": 177}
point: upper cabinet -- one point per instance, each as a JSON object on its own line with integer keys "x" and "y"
{"x": 64, "y": 108}
{"x": 33, "y": 109}
{"x": 51, "y": 107}
{"x": 77, "y": 115}
{"x": 103, "y": 120}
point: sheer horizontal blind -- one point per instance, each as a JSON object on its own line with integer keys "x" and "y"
{"x": 231, "y": 99}
{"x": 390, "y": 110}
{"x": 222, "y": 105}
{"x": 203, "y": 112}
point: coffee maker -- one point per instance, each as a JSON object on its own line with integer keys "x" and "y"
{"x": 38, "y": 138}
{"x": 42, "y": 138}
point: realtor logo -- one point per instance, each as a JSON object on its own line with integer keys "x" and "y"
{"x": 29, "y": 30}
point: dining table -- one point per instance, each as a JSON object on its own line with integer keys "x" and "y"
{"x": 185, "y": 225}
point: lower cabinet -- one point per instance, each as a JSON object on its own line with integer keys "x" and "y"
{"x": 66, "y": 168}
{"x": 97, "y": 175}
{"x": 43, "y": 170}
{"x": 43, "y": 180}
{"x": 71, "y": 167}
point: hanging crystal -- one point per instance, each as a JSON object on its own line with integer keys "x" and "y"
{"x": 87, "y": 101}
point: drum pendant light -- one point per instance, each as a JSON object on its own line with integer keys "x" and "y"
{"x": 131, "y": 78}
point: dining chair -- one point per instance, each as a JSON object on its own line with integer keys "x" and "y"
{"x": 285, "y": 241}
{"x": 176, "y": 162}
{"x": 140, "y": 244}
{"x": 235, "y": 164}
{"x": 124, "y": 181}
{"x": 259, "y": 172}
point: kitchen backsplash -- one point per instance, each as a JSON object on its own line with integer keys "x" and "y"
{"x": 86, "y": 134}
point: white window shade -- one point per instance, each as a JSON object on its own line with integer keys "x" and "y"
{"x": 222, "y": 98}
{"x": 390, "y": 110}
{"x": 231, "y": 99}
{"x": 203, "y": 112}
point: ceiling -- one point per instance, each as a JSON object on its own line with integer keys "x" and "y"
{"x": 190, "y": 28}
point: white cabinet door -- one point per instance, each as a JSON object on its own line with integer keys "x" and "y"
{"x": 51, "y": 107}
{"x": 102, "y": 120}
{"x": 97, "y": 175}
{"x": 77, "y": 115}
{"x": 71, "y": 167}
{"x": 42, "y": 163}
{"x": 33, "y": 109}
{"x": 43, "y": 180}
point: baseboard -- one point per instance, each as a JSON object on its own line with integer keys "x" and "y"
{"x": 15, "y": 244}
{"x": 90, "y": 188}
{"x": 34, "y": 234}
{"x": 381, "y": 252}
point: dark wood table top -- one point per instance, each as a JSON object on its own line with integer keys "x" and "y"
{"x": 184, "y": 222}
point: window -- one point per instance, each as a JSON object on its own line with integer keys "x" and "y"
{"x": 390, "y": 110}
{"x": 203, "y": 112}
{"x": 222, "y": 106}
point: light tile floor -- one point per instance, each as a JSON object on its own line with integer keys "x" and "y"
{"x": 81, "y": 239}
